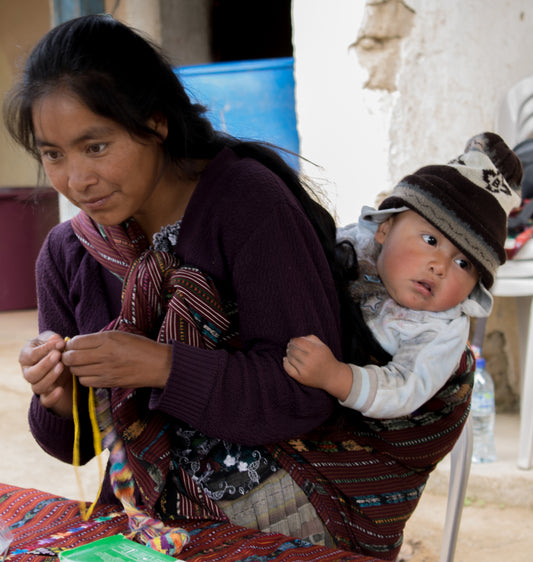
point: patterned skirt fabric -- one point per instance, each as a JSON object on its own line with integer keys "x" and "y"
{"x": 44, "y": 525}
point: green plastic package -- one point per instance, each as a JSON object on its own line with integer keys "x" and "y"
{"x": 114, "y": 549}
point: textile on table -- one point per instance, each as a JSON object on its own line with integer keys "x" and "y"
{"x": 43, "y": 525}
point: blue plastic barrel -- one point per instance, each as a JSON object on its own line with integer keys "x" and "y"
{"x": 251, "y": 99}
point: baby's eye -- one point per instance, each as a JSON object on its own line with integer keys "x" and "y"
{"x": 96, "y": 148}
{"x": 464, "y": 264}
{"x": 429, "y": 239}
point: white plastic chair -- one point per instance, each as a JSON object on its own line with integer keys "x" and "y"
{"x": 514, "y": 122}
{"x": 514, "y": 118}
{"x": 460, "y": 462}
{"x": 522, "y": 289}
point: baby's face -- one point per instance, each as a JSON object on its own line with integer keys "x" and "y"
{"x": 420, "y": 267}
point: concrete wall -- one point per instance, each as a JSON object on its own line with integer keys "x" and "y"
{"x": 445, "y": 67}
{"x": 140, "y": 14}
{"x": 187, "y": 37}
{"x": 18, "y": 34}
{"x": 386, "y": 86}
{"x": 181, "y": 27}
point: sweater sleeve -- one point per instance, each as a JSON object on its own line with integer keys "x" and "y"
{"x": 284, "y": 289}
{"x": 71, "y": 300}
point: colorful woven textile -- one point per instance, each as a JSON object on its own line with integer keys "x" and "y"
{"x": 365, "y": 476}
{"x": 163, "y": 300}
{"x": 43, "y": 525}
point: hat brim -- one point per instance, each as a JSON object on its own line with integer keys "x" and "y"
{"x": 371, "y": 215}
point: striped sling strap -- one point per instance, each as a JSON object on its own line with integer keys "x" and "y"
{"x": 164, "y": 300}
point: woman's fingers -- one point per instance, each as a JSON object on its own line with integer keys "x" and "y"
{"x": 36, "y": 349}
{"x": 118, "y": 359}
{"x": 42, "y": 367}
{"x": 43, "y": 382}
{"x": 46, "y": 365}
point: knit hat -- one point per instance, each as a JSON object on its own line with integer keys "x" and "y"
{"x": 468, "y": 200}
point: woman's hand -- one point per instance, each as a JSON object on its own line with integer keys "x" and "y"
{"x": 118, "y": 359}
{"x": 42, "y": 366}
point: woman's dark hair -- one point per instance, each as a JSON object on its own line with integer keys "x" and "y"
{"x": 118, "y": 74}
{"x": 121, "y": 75}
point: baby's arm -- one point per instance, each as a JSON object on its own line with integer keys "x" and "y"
{"x": 311, "y": 362}
{"x": 427, "y": 355}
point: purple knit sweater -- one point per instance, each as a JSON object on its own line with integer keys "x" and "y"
{"x": 245, "y": 229}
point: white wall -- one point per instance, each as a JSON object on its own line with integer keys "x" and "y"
{"x": 343, "y": 129}
{"x": 456, "y": 64}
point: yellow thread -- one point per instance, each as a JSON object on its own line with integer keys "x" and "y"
{"x": 97, "y": 444}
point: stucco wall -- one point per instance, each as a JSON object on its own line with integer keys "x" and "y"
{"x": 453, "y": 67}
{"x": 384, "y": 87}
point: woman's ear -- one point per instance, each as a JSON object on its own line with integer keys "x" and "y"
{"x": 383, "y": 230}
{"x": 158, "y": 123}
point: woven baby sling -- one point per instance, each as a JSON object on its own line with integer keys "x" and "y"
{"x": 166, "y": 301}
{"x": 365, "y": 476}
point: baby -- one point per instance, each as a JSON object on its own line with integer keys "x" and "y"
{"x": 427, "y": 259}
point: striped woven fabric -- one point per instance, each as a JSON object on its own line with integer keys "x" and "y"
{"x": 111, "y": 246}
{"x": 43, "y": 525}
{"x": 365, "y": 476}
{"x": 166, "y": 301}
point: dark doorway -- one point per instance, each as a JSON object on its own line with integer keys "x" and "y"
{"x": 251, "y": 29}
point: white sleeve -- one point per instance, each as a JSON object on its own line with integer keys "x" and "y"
{"x": 419, "y": 368}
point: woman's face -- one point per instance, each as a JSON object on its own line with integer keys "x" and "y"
{"x": 96, "y": 163}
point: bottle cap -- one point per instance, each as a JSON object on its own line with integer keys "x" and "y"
{"x": 480, "y": 363}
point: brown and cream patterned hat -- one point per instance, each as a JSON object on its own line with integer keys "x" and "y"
{"x": 468, "y": 199}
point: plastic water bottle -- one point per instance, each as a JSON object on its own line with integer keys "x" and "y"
{"x": 483, "y": 414}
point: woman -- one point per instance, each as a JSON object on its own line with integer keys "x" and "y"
{"x": 117, "y": 135}
{"x": 197, "y": 391}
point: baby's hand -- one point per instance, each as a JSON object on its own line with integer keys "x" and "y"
{"x": 305, "y": 360}
{"x": 311, "y": 362}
